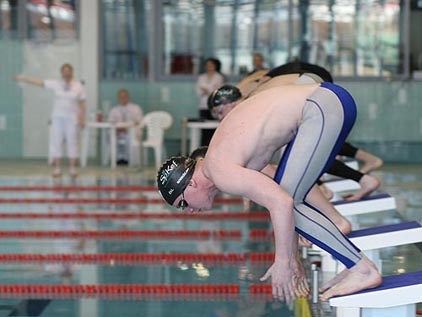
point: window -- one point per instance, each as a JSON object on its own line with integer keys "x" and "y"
{"x": 51, "y": 20}
{"x": 352, "y": 38}
{"x": 125, "y": 39}
{"x": 349, "y": 38}
{"x": 183, "y": 42}
{"x": 229, "y": 30}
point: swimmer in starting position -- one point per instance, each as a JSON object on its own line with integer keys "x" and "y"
{"x": 314, "y": 120}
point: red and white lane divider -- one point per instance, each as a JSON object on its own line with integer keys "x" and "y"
{"x": 250, "y": 216}
{"x": 140, "y": 258}
{"x": 125, "y": 234}
{"x": 103, "y": 201}
{"x": 125, "y": 291}
{"x": 91, "y": 188}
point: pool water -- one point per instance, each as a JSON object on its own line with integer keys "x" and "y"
{"x": 122, "y": 270}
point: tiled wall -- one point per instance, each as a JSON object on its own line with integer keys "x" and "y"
{"x": 11, "y": 138}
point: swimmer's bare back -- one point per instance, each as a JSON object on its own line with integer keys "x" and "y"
{"x": 258, "y": 127}
{"x": 253, "y": 85}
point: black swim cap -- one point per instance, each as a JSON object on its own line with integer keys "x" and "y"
{"x": 173, "y": 177}
{"x": 224, "y": 95}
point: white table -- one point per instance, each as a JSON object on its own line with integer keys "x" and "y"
{"x": 104, "y": 126}
{"x": 195, "y": 128}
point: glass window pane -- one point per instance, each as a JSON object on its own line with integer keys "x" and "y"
{"x": 125, "y": 39}
{"x": 8, "y": 18}
{"x": 51, "y": 20}
{"x": 228, "y": 30}
{"x": 183, "y": 22}
{"x": 352, "y": 38}
{"x": 272, "y": 23}
{"x": 349, "y": 38}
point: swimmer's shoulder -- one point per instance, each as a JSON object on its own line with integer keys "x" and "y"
{"x": 284, "y": 91}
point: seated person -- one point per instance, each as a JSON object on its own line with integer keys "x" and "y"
{"x": 124, "y": 112}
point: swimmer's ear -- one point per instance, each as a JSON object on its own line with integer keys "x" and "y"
{"x": 192, "y": 183}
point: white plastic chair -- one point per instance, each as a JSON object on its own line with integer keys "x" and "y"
{"x": 156, "y": 123}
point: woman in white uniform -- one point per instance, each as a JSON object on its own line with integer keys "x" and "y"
{"x": 68, "y": 114}
{"x": 205, "y": 85}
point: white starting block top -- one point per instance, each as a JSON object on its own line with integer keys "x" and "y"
{"x": 396, "y": 290}
{"x": 352, "y": 163}
{"x": 366, "y": 205}
{"x": 341, "y": 185}
{"x": 387, "y": 236}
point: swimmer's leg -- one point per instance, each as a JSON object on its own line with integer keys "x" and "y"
{"x": 371, "y": 162}
{"x": 368, "y": 183}
{"x": 326, "y": 122}
{"x": 317, "y": 199}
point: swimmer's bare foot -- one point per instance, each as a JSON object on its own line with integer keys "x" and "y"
{"x": 334, "y": 280}
{"x": 326, "y": 192}
{"x": 362, "y": 276}
{"x": 371, "y": 162}
{"x": 372, "y": 165}
{"x": 368, "y": 184}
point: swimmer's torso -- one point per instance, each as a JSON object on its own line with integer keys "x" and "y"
{"x": 278, "y": 81}
{"x": 257, "y": 128}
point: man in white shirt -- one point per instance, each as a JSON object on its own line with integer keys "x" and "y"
{"x": 68, "y": 114}
{"x": 124, "y": 112}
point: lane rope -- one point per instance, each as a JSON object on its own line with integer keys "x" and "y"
{"x": 125, "y": 234}
{"x": 139, "y": 258}
{"x": 128, "y": 291}
{"x": 91, "y": 188}
{"x": 250, "y": 216}
{"x": 104, "y": 201}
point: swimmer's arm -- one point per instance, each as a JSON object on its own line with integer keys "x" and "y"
{"x": 269, "y": 170}
{"x": 29, "y": 80}
{"x": 263, "y": 190}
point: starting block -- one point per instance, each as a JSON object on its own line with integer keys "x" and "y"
{"x": 341, "y": 185}
{"x": 395, "y": 297}
{"x": 352, "y": 163}
{"x": 370, "y": 240}
{"x": 387, "y": 236}
{"x": 366, "y": 205}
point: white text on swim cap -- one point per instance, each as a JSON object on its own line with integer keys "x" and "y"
{"x": 166, "y": 173}
{"x": 183, "y": 176}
